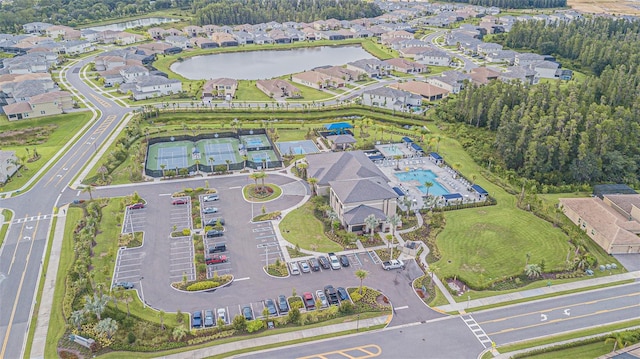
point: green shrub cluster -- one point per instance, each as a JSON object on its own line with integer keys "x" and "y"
{"x": 219, "y": 335}
{"x": 206, "y": 284}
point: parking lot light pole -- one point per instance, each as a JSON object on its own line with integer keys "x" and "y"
{"x": 357, "y": 322}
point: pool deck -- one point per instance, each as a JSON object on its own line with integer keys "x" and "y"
{"x": 447, "y": 177}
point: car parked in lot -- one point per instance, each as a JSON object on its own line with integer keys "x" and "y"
{"x": 324, "y": 262}
{"x": 335, "y": 263}
{"x": 247, "y": 312}
{"x": 294, "y": 269}
{"x": 210, "y": 210}
{"x": 214, "y": 221}
{"x": 196, "y": 319}
{"x": 332, "y": 294}
{"x": 271, "y": 306}
{"x": 216, "y": 259}
{"x": 210, "y": 198}
{"x": 214, "y": 233}
{"x": 322, "y": 298}
{"x": 314, "y": 264}
{"x": 179, "y": 201}
{"x": 283, "y": 306}
{"x": 217, "y": 248}
{"x": 344, "y": 261}
{"x": 309, "y": 302}
{"x": 123, "y": 285}
{"x": 136, "y": 206}
{"x": 222, "y": 314}
{"x": 304, "y": 267}
{"x": 342, "y": 293}
{"x": 208, "y": 318}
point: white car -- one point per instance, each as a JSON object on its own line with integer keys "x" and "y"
{"x": 210, "y": 198}
{"x": 222, "y": 314}
{"x": 323, "y": 299}
{"x": 295, "y": 270}
{"x": 304, "y": 267}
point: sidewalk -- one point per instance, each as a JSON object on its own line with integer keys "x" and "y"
{"x": 46, "y": 301}
{"x": 279, "y": 338}
{"x": 556, "y": 288}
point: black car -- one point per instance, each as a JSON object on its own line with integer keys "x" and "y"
{"x": 344, "y": 261}
{"x": 214, "y": 221}
{"x": 314, "y": 264}
{"x": 283, "y": 306}
{"x": 324, "y": 262}
{"x": 214, "y": 233}
{"x": 342, "y": 293}
{"x": 217, "y": 248}
{"x": 271, "y": 306}
{"x": 123, "y": 285}
{"x": 247, "y": 312}
{"x": 332, "y": 295}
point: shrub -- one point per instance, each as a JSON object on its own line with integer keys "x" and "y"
{"x": 346, "y": 307}
{"x": 255, "y": 325}
{"x": 206, "y": 284}
{"x": 294, "y": 315}
{"x": 239, "y": 322}
{"x": 131, "y": 338}
{"x": 186, "y": 232}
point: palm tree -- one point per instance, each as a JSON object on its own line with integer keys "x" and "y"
{"x": 619, "y": 339}
{"x": 77, "y": 318}
{"x": 107, "y": 326}
{"x": 397, "y": 158}
{"x": 102, "y": 170}
{"x": 263, "y": 176}
{"x": 312, "y": 183}
{"x": 197, "y": 165}
{"x": 211, "y": 160}
{"x": 371, "y": 221}
{"x": 333, "y": 216}
{"x": 303, "y": 168}
{"x": 428, "y": 185}
{"x": 532, "y": 271}
{"x": 88, "y": 189}
{"x": 394, "y": 221}
{"x": 162, "y": 167}
{"x": 361, "y": 274}
{"x": 406, "y": 202}
{"x": 161, "y": 315}
{"x": 255, "y": 176}
{"x": 244, "y": 160}
{"x": 96, "y": 304}
{"x": 228, "y": 163}
{"x": 179, "y": 332}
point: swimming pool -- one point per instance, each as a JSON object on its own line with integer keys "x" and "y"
{"x": 423, "y": 176}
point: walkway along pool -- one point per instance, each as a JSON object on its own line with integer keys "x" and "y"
{"x": 422, "y": 176}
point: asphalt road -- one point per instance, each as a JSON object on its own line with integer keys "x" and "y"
{"x": 468, "y": 63}
{"x": 23, "y": 248}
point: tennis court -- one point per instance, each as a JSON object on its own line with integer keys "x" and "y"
{"x": 297, "y": 147}
{"x": 255, "y": 141}
{"x": 258, "y": 156}
{"x": 220, "y": 150}
{"x": 170, "y": 154}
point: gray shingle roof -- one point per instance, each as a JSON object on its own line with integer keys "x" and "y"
{"x": 362, "y": 190}
{"x": 357, "y": 215}
{"x": 336, "y": 166}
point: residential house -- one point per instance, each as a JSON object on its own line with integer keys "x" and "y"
{"x": 427, "y": 56}
{"x": 77, "y": 47}
{"x": 390, "y": 98}
{"x": 406, "y": 66}
{"x": 178, "y": 41}
{"x": 132, "y": 73}
{"x": 310, "y": 33}
{"x": 277, "y": 88}
{"x": 62, "y": 32}
{"x": 157, "y": 47}
{"x": 156, "y": 33}
{"x": 36, "y": 27}
{"x": 356, "y": 188}
{"x": 613, "y": 221}
{"x": 202, "y": 43}
{"x": 317, "y": 80}
{"x": 546, "y": 69}
{"x": 45, "y": 104}
{"x": 488, "y": 47}
{"x": 527, "y": 58}
{"x": 501, "y": 56}
{"x": 523, "y": 74}
{"x": 224, "y": 39}
{"x": 279, "y": 37}
{"x": 124, "y": 38}
{"x": 151, "y": 86}
{"x": 192, "y": 30}
{"x": 222, "y": 88}
{"x": 396, "y": 35}
{"x": 243, "y": 38}
{"x": 8, "y": 165}
{"x": 330, "y": 35}
{"x": 452, "y": 81}
{"x": 428, "y": 92}
{"x": 483, "y": 75}
{"x": 339, "y": 72}
{"x": 369, "y": 67}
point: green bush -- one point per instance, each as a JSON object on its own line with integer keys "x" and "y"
{"x": 186, "y": 232}
{"x": 207, "y": 284}
{"x": 346, "y": 307}
{"x": 294, "y": 315}
{"x": 239, "y": 322}
{"x": 255, "y": 325}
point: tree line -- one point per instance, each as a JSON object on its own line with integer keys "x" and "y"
{"x": 515, "y": 4}
{"x": 234, "y": 12}
{"x": 563, "y": 133}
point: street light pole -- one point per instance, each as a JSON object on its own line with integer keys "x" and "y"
{"x": 357, "y": 322}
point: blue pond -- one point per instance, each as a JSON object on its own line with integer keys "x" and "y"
{"x": 423, "y": 176}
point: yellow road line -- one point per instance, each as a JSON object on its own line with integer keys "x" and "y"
{"x": 370, "y": 351}
{"x": 13, "y": 259}
{"x": 15, "y": 303}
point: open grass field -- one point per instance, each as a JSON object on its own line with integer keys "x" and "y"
{"x": 617, "y": 7}
{"x": 302, "y": 228}
{"x": 247, "y": 91}
{"x": 587, "y": 351}
{"x": 62, "y": 129}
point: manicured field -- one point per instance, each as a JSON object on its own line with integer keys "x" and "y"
{"x": 587, "y": 351}
{"x": 302, "y": 228}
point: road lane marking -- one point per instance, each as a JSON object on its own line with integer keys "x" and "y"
{"x": 15, "y": 303}
{"x": 403, "y": 307}
{"x": 241, "y": 279}
{"x": 565, "y": 319}
{"x": 368, "y": 351}
{"x": 479, "y": 333}
{"x": 15, "y": 251}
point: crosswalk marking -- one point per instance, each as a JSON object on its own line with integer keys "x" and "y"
{"x": 475, "y": 328}
{"x": 31, "y": 219}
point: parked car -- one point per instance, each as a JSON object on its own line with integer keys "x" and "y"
{"x": 222, "y": 314}
{"x": 136, "y": 206}
{"x": 217, "y": 248}
{"x": 322, "y": 298}
{"x": 309, "y": 302}
{"x": 210, "y": 210}
{"x": 247, "y": 312}
{"x": 342, "y": 293}
{"x": 179, "y": 201}
{"x": 123, "y": 285}
{"x": 335, "y": 263}
{"x": 295, "y": 270}
{"x": 332, "y": 294}
{"x": 196, "y": 320}
{"x": 314, "y": 264}
{"x": 214, "y": 233}
{"x": 210, "y": 198}
{"x": 214, "y": 221}
{"x": 271, "y": 306}
{"x": 324, "y": 262}
{"x": 344, "y": 261}
{"x": 216, "y": 259}
{"x": 304, "y": 267}
{"x": 283, "y": 305}
{"x": 208, "y": 318}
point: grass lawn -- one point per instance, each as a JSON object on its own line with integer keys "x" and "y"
{"x": 587, "y": 351}
{"x": 247, "y": 91}
{"x": 8, "y": 215}
{"x": 301, "y": 227}
{"x": 378, "y": 50}
{"x": 67, "y": 126}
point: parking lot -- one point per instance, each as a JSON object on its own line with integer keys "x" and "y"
{"x": 134, "y": 220}
{"x": 127, "y": 267}
{"x": 181, "y": 260}
{"x": 267, "y": 243}
{"x": 180, "y": 216}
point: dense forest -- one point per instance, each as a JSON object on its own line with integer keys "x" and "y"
{"x": 234, "y": 12}
{"x": 565, "y": 133}
{"x": 515, "y": 4}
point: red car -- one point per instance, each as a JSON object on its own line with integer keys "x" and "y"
{"x": 216, "y": 259}
{"x": 179, "y": 201}
{"x": 136, "y": 206}
{"x": 309, "y": 303}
